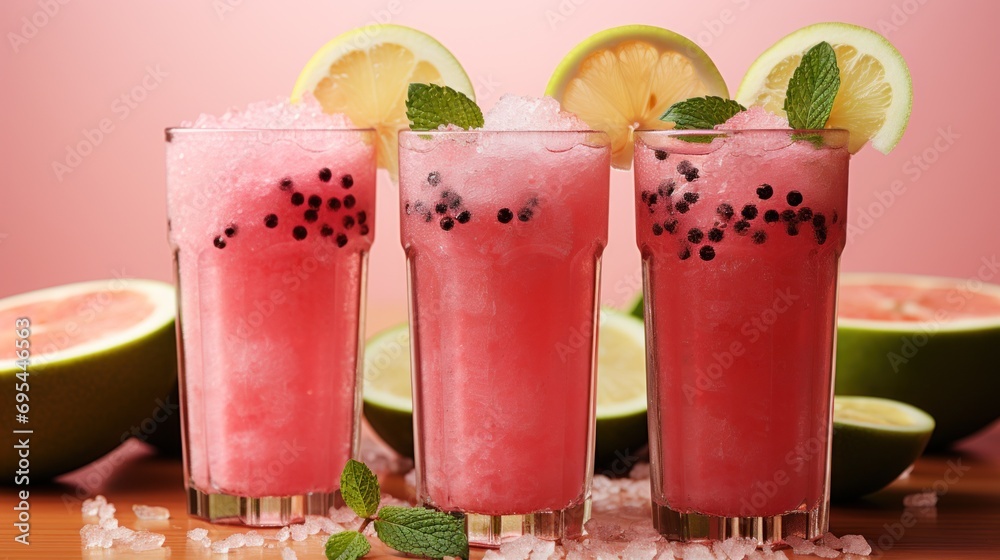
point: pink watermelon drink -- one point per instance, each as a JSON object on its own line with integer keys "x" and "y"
{"x": 503, "y": 233}
{"x": 741, "y": 240}
{"x": 271, "y": 230}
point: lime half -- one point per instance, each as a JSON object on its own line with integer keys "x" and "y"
{"x": 874, "y": 441}
{"x": 621, "y": 389}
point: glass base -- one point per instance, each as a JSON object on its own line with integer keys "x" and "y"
{"x": 269, "y": 511}
{"x": 694, "y": 527}
{"x": 490, "y": 531}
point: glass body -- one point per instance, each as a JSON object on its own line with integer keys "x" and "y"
{"x": 503, "y": 233}
{"x": 270, "y": 231}
{"x": 740, "y": 235}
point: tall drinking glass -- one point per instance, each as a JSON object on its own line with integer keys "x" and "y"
{"x": 741, "y": 234}
{"x": 270, "y": 231}
{"x": 503, "y": 233}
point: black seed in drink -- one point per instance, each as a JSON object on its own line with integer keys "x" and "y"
{"x": 271, "y": 221}
{"x": 670, "y": 226}
{"x": 362, "y": 217}
{"x": 525, "y": 214}
{"x": 441, "y": 208}
{"x": 660, "y": 155}
{"x": 690, "y": 197}
{"x": 819, "y": 220}
{"x": 682, "y": 207}
{"x": 325, "y": 231}
{"x": 706, "y": 253}
{"x": 685, "y": 253}
{"x": 504, "y": 215}
{"x": 805, "y": 214}
{"x": 821, "y": 235}
{"x": 758, "y": 237}
{"x": 311, "y": 215}
{"x": 298, "y": 198}
{"x": 299, "y": 232}
{"x": 644, "y": 195}
{"x": 334, "y": 204}
{"x": 315, "y": 201}
{"x": 349, "y": 201}
{"x": 793, "y": 228}
{"x": 689, "y": 171}
{"x": 348, "y": 222}
{"x": 220, "y": 242}
{"x": 789, "y": 215}
{"x": 725, "y": 210}
{"x": 715, "y": 235}
{"x": 230, "y": 230}
{"x": 455, "y": 202}
{"x": 407, "y": 208}
{"x": 794, "y": 198}
{"x": 434, "y": 178}
{"x": 428, "y": 216}
{"x": 341, "y": 240}
{"x": 347, "y": 181}
{"x": 695, "y": 235}
{"x": 286, "y": 184}
{"x": 325, "y": 174}
{"x": 749, "y": 212}
{"x": 363, "y": 229}
{"x": 741, "y": 227}
{"x": 657, "y": 229}
{"x": 771, "y": 216}
{"x": 667, "y": 187}
{"x": 765, "y": 191}
{"x": 463, "y": 217}
{"x": 833, "y": 217}
{"x": 447, "y": 223}
{"x": 653, "y": 197}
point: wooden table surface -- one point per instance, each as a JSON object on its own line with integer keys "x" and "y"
{"x": 965, "y": 523}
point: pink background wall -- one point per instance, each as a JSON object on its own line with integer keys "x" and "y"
{"x": 106, "y": 215}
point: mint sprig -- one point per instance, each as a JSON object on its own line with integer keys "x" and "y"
{"x": 702, "y": 113}
{"x": 429, "y": 106}
{"x": 417, "y": 530}
{"x": 813, "y": 87}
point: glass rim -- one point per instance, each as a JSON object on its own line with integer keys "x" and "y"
{"x": 729, "y": 132}
{"x": 480, "y": 131}
{"x": 185, "y": 129}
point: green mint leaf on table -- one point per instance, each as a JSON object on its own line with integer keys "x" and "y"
{"x": 429, "y": 106}
{"x": 349, "y": 545}
{"x": 359, "y": 488}
{"x": 813, "y": 87}
{"x": 422, "y": 531}
{"x": 702, "y": 113}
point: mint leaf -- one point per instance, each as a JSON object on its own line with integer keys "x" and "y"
{"x": 701, "y": 112}
{"x": 429, "y": 106}
{"x": 349, "y": 545}
{"x": 359, "y": 488}
{"x": 813, "y": 87}
{"x": 422, "y": 531}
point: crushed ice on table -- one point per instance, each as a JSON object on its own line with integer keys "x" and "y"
{"x": 150, "y": 512}
{"x": 734, "y": 547}
{"x": 921, "y": 499}
{"x": 92, "y": 506}
{"x": 144, "y": 540}
{"x": 288, "y": 554}
{"x": 107, "y": 533}
{"x": 277, "y": 114}
{"x": 855, "y": 544}
{"x": 283, "y": 534}
{"x": 514, "y": 112}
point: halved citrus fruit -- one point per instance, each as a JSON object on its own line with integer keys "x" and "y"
{"x": 621, "y": 388}
{"x": 365, "y": 73}
{"x": 875, "y": 94}
{"x": 624, "y": 79}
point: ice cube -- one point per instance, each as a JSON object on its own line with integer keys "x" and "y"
{"x": 93, "y": 536}
{"x": 800, "y": 545}
{"x": 514, "y": 112}
{"x": 254, "y": 539}
{"x": 735, "y": 548}
{"x": 288, "y": 554}
{"x": 299, "y": 532}
{"x": 542, "y": 550}
{"x": 109, "y": 523}
{"x": 106, "y": 511}
{"x": 920, "y": 499}
{"x": 150, "y": 512}
{"x": 855, "y": 544}
{"x": 697, "y": 551}
{"x": 493, "y": 555}
{"x": 831, "y": 540}
{"x": 343, "y": 515}
{"x": 144, "y": 540}
{"x": 236, "y": 540}
{"x": 277, "y": 114}
{"x": 197, "y": 534}
{"x": 122, "y": 535}
{"x": 639, "y": 551}
{"x": 604, "y": 529}
{"x": 312, "y": 525}
{"x": 92, "y": 506}
{"x": 283, "y": 534}
{"x": 220, "y": 547}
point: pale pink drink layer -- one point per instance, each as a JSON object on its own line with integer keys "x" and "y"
{"x": 271, "y": 276}
{"x": 503, "y": 233}
{"x": 740, "y": 240}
